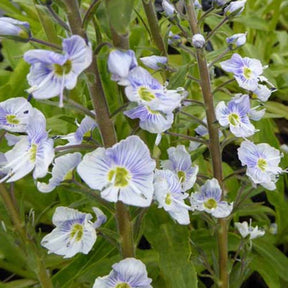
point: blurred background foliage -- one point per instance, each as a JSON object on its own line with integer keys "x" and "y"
{"x": 174, "y": 254}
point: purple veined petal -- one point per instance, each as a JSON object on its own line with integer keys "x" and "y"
{"x": 151, "y": 121}
{"x": 130, "y": 271}
{"x": 18, "y": 162}
{"x": 223, "y": 210}
{"x": 141, "y": 77}
{"x": 14, "y": 29}
{"x": 101, "y": 217}
{"x": 44, "y": 158}
{"x": 211, "y": 189}
{"x": 120, "y": 63}
{"x": 41, "y": 56}
{"x": 94, "y": 167}
{"x": 62, "y": 166}
{"x": 234, "y": 64}
{"x": 222, "y": 113}
{"x": 154, "y": 61}
{"x": 169, "y": 196}
{"x": 73, "y": 233}
{"x": 78, "y": 52}
{"x": 15, "y": 114}
{"x": 262, "y": 92}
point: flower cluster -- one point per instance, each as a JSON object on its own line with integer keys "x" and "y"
{"x": 32, "y": 151}
{"x": 154, "y": 102}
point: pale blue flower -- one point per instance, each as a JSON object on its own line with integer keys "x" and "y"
{"x": 33, "y": 152}
{"x": 198, "y": 41}
{"x": 51, "y": 72}
{"x": 237, "y": 40}
{"x": 151, "y": 120}
{"x": 62, "y": 170}
{"x": 174, "y": 39}
{"x": 74, "y": 233}
{"x": 246, "y": 230}
{"x": 14, "y": 29}
{"x": 209, "y": 200}
{"x": 154, "y": 62}
{"x": 119, "y": 65}
{"x": 123, "y": 172}
{"x": 262, "y": 162}
{"x": 87, "y": 124}
{"x": 219, "y": 3}
{"x": 235, "y": 8}
{"x": 180, "y": 163}
{"x": 15, "y": 114}
{"x": 146, "y": 90}
{"x": 169, "y": 8}
{"x": 168, "y": 194}
{"x": 246, "y": 70}
{"x": 235, "y": 115}
{"x": 128, "y": 273}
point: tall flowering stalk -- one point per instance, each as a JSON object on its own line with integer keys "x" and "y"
{"x": 214, "y": 143}
{"x": 105, "y": 125}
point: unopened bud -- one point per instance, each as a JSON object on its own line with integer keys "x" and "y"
{"x": 237, "y": 40}
{"x": 198, "y": 41}
{"x": 235, "y": 8}
{"x": 14, "y": 29}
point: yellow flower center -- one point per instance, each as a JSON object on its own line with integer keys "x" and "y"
{"x": 181, "y": 176}
{"x": 33, "y": 152}
{"x": 234, "y": 119}
{"x": 123, "y": 285}
{"x": 168, "y": 199}
{"x": 262, "y": 163}
{"x": 77, "y": 232}
{"x": 210, "y": 203}
{"x": 63, "y": 69}
{"x": 11, "y": 119}
{"x": 119, "y": 176}
{"x": 152, "y": 111}
{"x": 69, "y": 175}
{"x": 247, "y": 72}
{"x": 23, "y": 34}
{"x": 145, "y": 94}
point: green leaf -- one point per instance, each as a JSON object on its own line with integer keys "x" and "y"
{"x": 119, "y": 13}
{"x": 172, "y": 243}
{"x": 272, "y": 255}
{"x": 23, "y": 283}
{"x": 266, "y": 270}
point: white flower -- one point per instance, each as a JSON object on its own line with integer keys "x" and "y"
{"x": 246, "y": 230}
{"x": 262, "y": 162}
{"x": 128, "y": 273}
{"x": 123, "y": 172}
{"x": 169, "y": 196}
{"x": 180, "y": 163}
{"x": 74, "y": 233}
{"x": 209, "y": 200}
{"x": 15, "y": 114}
{"x": 62, "y": 170}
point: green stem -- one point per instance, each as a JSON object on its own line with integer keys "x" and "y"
{"x": 195, "y": 139}
{"x": 105, "y": 125}
{"x": 214, "y": 143}
{"x": 154, "y": 27}
{"x": 42, "y": 42}
{"x": 41, "y": 271}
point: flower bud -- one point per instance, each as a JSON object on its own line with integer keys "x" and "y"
{"x": 168, "y": 8}
{"x": 14, "y": 29}
{"x": 234, "y": 8}
{"x": 219, "y": 3}
{"x": 154, "y": 62}
{"x": 174, "y": 39}
{"x": 198, "y": 41}
{"x": 237, "y": 40}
